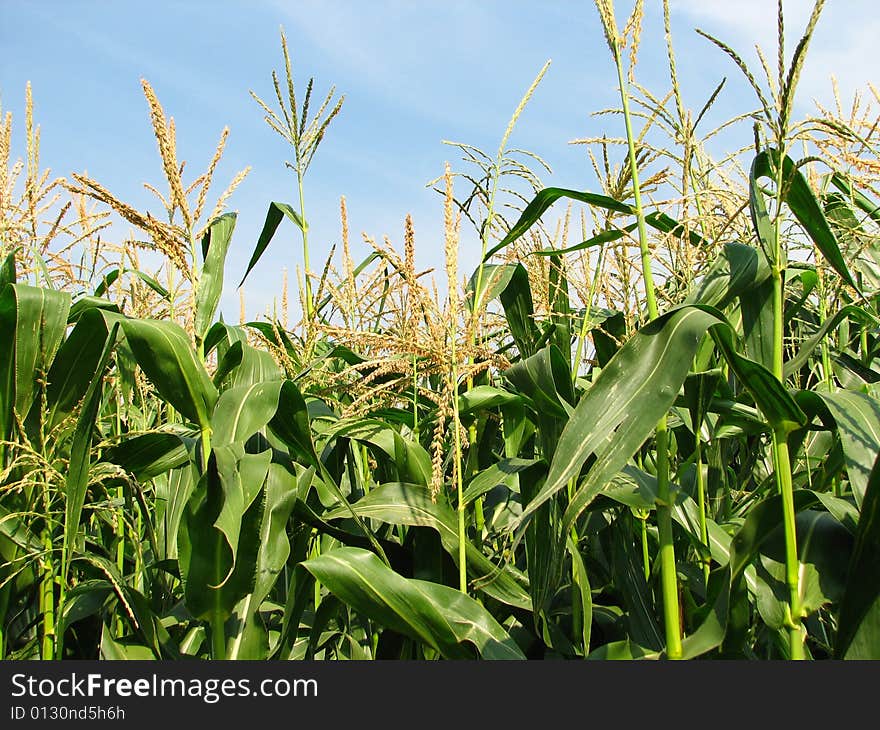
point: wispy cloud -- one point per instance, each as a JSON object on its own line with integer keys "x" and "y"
{"x": 845, "y": 41}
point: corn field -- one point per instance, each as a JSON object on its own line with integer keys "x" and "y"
{"x": 645, "y": 426}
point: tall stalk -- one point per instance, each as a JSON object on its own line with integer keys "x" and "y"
{"x": 459, "y": 479}
{"x": 485, "y": 235}
{"x": 304, "y": 229}
{"x": 777, "y": 253}
{"x": 668, "y": 577}
{"x": 451, "y": 256}
{"x": 781, "y": 458}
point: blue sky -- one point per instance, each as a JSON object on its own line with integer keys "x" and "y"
{"x": 413, "y": 74}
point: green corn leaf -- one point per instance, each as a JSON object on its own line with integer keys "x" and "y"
{"x": 582, "y": 585}
{"x": 33, "y": 321}
{"x": 635, "y": 389}
{"x": 291, "y": 424}
{"x": 824, "y": 549}
{"x": 221, "y": 336}
{"x": 75, "y": 363}
{"x": 77, "y": 478}
{"x": 408, "y": 458}
{"x": 496, "y": 277}
{"x": 83, "y": 600}
{"x": 149, "y": 628}
{"x": 243, "y": 410}
{"x": 410, "y": 504}
{"x": 148, "y": 455}
{"x": 505, "y": 472}
{"x": 865, "y": 204}
{"x": 261, "y": 562}
{"x": 211, "y": 530}
{"x": 243, "y": 365}
{"x": 857, "y": 416}
{"x": 85, "y": 304}
{"x": 737, "y": 270}
{"x": 15, "y": 529}
{"x": 241, "y": 479}
{"x": 712, "y": 630}
{"x": 803, "y": 204}
{"x": 484, "y": 397}
{"x": 215, "y": 246}
{"x": 110, "y": 278}
{"x": 544, "y": 379}
{"x": 7, "y": 271}
{"x": 808, "y": 347}
{"x": 173, "y": 491}
{"x": 276, "y": 213}
{"x": 759, "y": 525}
{"x": 164, "y": 353}
{"x": 543, "y": 200}
{"x": 597, "y": 240}
{"x": 641, "y": 617}
{"x": 858, "y": 627}
{"x": 441, "y": 617}
{"x": 516, "y": 299}
{"x": 560, "y": 304}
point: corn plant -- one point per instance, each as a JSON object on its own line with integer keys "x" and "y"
{"x": 658, "y": 441}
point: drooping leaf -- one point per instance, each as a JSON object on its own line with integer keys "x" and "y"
{"x": 164, "y": 353}
{"x": 635, "y": 389}
{"x": 441, "y": 617}
{"x": 543, "y": 200}
{"x": 857, "y": 416}
{"x": 148, "y": 455}
{"x": 410, "y": 504}
{"x": 503, "y": 472}
{"x": 276, "y": 213}
{"x": 738, "y": 269}
{"x": 802, "y": 202}
{"x": 516, "y": 299}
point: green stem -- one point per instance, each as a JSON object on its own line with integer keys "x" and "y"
{"x": 47, "y": 601}
{"x": 582, "y": 336}
{"x": 668, "y": 576}
{"x": 316, "y": 552}
{"x": 415, "y": 397}
{"x": 120, "y": 521}
{"x": 577, "y": 612}
{"x": 305, "y": 239}
{"x": 644, "y": 250}
{"x": 459, "y": 478}
{"x": 646, "y": 557}
{"x": 701, "y": 496}
{"x": 792, "y": 565}
{"x": 218, "y": 636}
{"x": 827, "y": 373}
{"x": 781, "y": 461}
